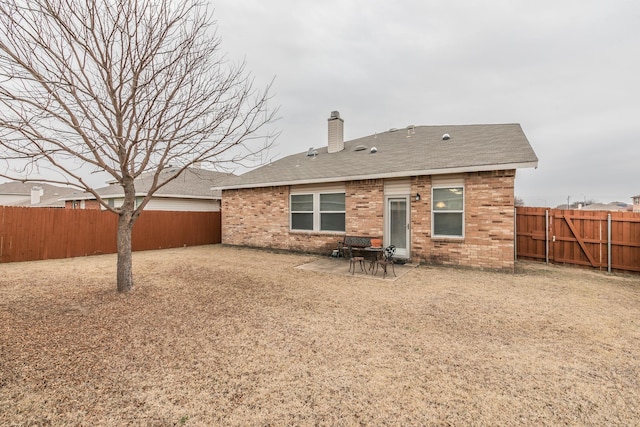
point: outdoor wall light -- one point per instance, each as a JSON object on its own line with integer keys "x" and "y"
{"x": 417, "y": 197}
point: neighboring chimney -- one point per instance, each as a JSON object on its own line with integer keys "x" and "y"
{"x": 36, "y": 192}
{"x": 336, "y": 133}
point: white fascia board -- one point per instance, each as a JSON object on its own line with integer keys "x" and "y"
{"x": 120, "y": 196}
{"x": 8, "y": 193}
{"x": 91, "y": 197}
{"x": 78, "y": 197}
{"x": 184, "y": 196}
{"x": 399, "y": 174}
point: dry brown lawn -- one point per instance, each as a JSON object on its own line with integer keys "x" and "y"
{"x": 222, "y": 336}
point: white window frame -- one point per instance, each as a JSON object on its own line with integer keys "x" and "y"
{"x": 292, "y": 212}
{"x": 435, "y": 212}
{"x": 118, "y": 202}
{"x": 316, "y": 211}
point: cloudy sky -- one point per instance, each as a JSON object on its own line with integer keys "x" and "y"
{"x": 567, "y": 71}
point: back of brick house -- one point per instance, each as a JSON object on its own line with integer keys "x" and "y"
{"x": 459, "y": 213}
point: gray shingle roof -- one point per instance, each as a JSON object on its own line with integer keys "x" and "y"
{"x": 50, "y": 198}
{"x": 192, "y": 183}
{"x": 612, "y": 206}
{"x": 418, "y": 150}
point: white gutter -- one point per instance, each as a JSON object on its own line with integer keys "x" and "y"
{"x": 120, "y": 196}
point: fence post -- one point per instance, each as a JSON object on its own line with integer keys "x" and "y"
{"x": 609, "y": 243}
{"x": 546, "y": 236}
{"x": 515, "y": 234}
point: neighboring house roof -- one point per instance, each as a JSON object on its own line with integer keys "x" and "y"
{"x": 49, "y": 196}
{"x": 411, "y": 151}
{"x": 192, "y": 183}
{"x": 612, "y": 206}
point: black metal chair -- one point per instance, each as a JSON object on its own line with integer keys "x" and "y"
{"x": 352, "y": 264}
{"x": 387, "y": 259}
{"x": 342, "y": 250}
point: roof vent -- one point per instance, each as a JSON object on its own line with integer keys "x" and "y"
{"x": 360, "y": 148}
{"x": 445, "y": 137}
{"x": 374, "y": 150}
{"x": 311, "y": 152}
{"x": 393, "y": 129}
{"x": 411, "y": 130}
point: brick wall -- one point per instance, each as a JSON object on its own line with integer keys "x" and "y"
{"x": 489, "y": 224}
{"x": 92, "y": 204}
{"x": 365, "y": 207}
{"x": 260, "y": 218}
{"x": 421, "y": 219}
{"x": 489, "y": 219}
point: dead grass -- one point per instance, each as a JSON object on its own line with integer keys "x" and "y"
{"x": 223, "y": 336}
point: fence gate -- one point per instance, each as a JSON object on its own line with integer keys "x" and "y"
{"x": 578, "y": 237}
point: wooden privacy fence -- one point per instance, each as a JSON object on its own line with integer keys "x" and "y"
{"x": 599, "y": 239}
{"x": 29, "y": 234}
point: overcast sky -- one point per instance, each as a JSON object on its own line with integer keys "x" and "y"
{"x": 567, "y": 71}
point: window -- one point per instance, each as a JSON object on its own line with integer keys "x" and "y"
{"x": 117, "y": 203}
{"x": 318, "y": 212}
{"x": 302, "y": 212}
{"x": 332, "y": 212}
{"x": 448, "y": 212}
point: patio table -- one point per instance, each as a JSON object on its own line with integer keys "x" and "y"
{"x": 370, "y": 255}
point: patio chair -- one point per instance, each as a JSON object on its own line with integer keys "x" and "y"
{"x": 387, "y": 259}
{"x": 352, "y": 264}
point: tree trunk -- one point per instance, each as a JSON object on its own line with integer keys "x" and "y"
{"x": 125, "y": 263}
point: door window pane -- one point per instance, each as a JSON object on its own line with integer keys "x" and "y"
{"x": 398, "y": 223}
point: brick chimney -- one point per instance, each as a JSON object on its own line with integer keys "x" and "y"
{"x": 336, "y": 133}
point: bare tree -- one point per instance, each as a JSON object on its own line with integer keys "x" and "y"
{"x": 121, "y": 86}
